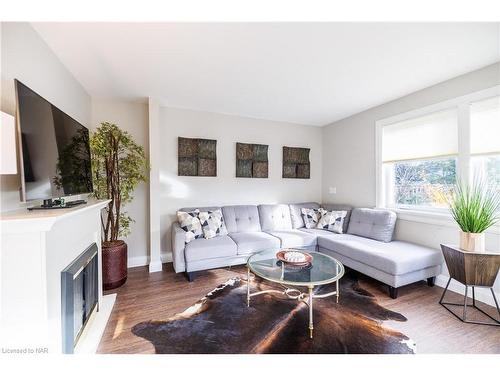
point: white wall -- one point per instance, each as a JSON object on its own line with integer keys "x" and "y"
{"x": 132, "y": 117}
{"x": 349, "y": 155}
{"x": 25, "y": 56}
{"x": 226, "y": 189}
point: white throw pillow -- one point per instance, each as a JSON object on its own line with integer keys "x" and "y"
{"x": 311, "y": 216}
{"x": 212, "y": 223}
{"x": 332, "y": 221}
{"x": 190, "y": 223}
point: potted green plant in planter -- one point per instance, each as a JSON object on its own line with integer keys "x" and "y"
{"x": 475, "y": 208}
{"x": 118, "y": 166}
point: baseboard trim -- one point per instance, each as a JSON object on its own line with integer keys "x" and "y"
{"x": 482, "y": 294}
{"x": 137, "y": 261}
{"x": 155, "y": 267}
{"x": 141, "y": 261}
{"x": 166, "y": 258}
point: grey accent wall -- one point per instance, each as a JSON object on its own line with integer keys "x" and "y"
{"x": 349, "y": 144}
{"x": 349, "y": 156}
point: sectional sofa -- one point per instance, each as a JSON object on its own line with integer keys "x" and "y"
{"x": 366, "y": 244}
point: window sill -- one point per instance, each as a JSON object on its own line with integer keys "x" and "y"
{"x": 442, "y": 219}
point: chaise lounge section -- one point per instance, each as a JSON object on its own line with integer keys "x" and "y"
{"x": 365, "y": 246}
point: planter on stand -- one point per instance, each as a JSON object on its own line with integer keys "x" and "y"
{"x": 472, "y": 241}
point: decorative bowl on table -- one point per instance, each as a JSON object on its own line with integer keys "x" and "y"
{"x": 294, "y": 257}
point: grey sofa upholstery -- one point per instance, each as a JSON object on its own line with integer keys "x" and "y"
{"x": 375, "y": 224}
{"x": 296, "y": 213}
{"x": 276, "y": 220}
{"x": 243, "y": 226}
{"x": 202, "y": 254}
{"x": 366, "y": 244}
{"x": 400, "y": 262}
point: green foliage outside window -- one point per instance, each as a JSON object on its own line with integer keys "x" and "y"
{"x": 424, "y": 182}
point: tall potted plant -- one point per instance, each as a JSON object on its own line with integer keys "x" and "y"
{"x": 118, "y": 166}
{"x": 475, "y": 208}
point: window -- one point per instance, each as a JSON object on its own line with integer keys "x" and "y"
{"x": 421, "y": 154}
{"x": 419, "y": 158}
{"x": 487, "y": 168}
{"x": 420, "y": 182}
{"x": 485, "y": 140}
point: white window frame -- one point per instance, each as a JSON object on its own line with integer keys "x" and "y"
{"x": 462, "y": 105}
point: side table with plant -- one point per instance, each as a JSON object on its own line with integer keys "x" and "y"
{"x": 118, "y": 166}
{"x": 475, "y": 207}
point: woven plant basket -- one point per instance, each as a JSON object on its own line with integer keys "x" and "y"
{"x": 114, "y": 264}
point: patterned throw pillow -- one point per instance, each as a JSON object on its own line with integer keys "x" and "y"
{"x": 212, "y": 223}
{"x": 190, "y": 222}
{"x": 332, "y": 221}
{"x": 311, "y": 216}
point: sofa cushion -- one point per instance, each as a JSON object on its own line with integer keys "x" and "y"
{"x": 340, "y": 207}
{"x": 217, "y": 247}
{"x": 241, "y": 218}
{"x": 372, "y": 223}
{"x": 210, "y": 208}
{"x": 196, "y": 209}
{"x": 294, "y": 238}
{"x": 190, "y": 223}
{"x": 296, "y": 213}
{"x": 311, "y": 216}
{"x": 332, "y": 221}
{"x": 275, "y": 217}
{"x": 252, "y": 242}
{"x": 212, "y": 223}
{"x": 395, "y": 258}
{"x": 317, "y": 232}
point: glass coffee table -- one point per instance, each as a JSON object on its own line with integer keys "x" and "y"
{"x": 322, "y": 270}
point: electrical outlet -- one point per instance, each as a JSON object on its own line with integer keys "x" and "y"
{"x": 332, "y": 190}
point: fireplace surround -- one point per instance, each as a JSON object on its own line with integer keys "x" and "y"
{"x": 37, "y": 247}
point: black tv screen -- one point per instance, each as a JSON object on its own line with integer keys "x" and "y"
{"x": 55, "y": 149}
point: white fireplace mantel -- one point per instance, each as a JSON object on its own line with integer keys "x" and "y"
{"x": 35, "y": 247}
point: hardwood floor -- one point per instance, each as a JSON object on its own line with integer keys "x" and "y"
{"x": 159, "y": 295}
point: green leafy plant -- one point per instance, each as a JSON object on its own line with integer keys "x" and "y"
{"x": 118, "y": 166}
{"x": 475, "y": 207}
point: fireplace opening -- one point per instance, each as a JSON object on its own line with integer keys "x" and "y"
{"x": 79, "y": 296}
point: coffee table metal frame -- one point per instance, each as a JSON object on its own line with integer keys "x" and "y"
{"x": 296, "y": 294}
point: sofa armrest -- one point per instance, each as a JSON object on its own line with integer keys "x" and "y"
{"x": 178, "y": 245}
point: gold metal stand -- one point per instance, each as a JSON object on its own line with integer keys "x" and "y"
{"x": 296, "y": 294}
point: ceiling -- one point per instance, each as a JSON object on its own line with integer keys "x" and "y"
{"x": 308, "y": 73}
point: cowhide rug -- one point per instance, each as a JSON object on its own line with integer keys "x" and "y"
{"x": 221, "y": 322}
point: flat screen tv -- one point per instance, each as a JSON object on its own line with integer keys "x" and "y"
{"x": 55, "y": 157}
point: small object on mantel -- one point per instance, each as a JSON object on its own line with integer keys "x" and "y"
{"x": 475, "y": 270}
